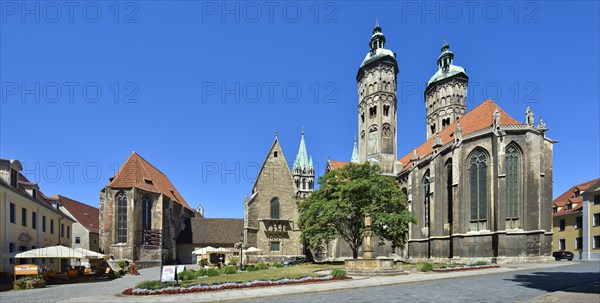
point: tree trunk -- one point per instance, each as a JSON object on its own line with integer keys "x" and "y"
{"x": 354, "y": 253}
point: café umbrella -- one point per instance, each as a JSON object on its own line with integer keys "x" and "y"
{"x": 56, "y": 252}
{"x": 53, "y": 252}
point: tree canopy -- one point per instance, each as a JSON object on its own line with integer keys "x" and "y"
{"x": 346, "y": 195}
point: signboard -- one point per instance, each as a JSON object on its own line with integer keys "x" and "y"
{"x": 152, "y": 238}
{"x": 168, "y": 273}
{"x": 26, "y": 269}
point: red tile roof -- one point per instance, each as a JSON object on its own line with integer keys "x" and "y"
{"x": 139, "y": 173}
{"x": 333, "y": 164}
{"x": 86, "y": 215}
{"x": 566, "y": 211}
{"x": 569, "y": 194}
{"x": 478, "y": 118}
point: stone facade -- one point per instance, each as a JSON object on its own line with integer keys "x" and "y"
{"x": 439, "y": 188}
{"x": 480, "y": 185}
{"x": 377, "y": 105}
{"x": 163, "y": 213}
{"x": 271, "y": 213}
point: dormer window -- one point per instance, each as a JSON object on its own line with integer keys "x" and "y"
{"x": 34, "y": 193}
{"x": 576, "y": 193}
{"x": 14, "y": 178}
{"x": 148, "y": 181}
{"x": 555, "y": 209}
{"x": 569, "y": 206}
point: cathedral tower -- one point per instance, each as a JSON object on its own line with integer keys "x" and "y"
{"x": 303, "y": 171}
{"x": 377, "y": 104}
{"x": 445, "y": 93}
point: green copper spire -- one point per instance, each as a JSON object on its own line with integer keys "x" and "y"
{"x": 302, "y": 156}
{"x": 354, "y": 152}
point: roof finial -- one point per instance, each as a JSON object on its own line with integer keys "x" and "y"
{"x": 376, "y": 21}
{"x": 276, "y": 134}
{"x": 303, "y": 130}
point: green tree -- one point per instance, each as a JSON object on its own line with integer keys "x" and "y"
{"x": 338, "y": 207}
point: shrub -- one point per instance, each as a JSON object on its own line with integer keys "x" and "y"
{"x": 201, "y": 272}
{"x": 278, "y": 265}
{"x": 233, "y": 261}
{"x": 186, "y": 275}
{"x": 261, "y": 266}
{"x": 481, "y": 263}
{"x": 121, "y": 263}
{"x": 338, "y": 273}
{"x": 149, "y": 284}
{"x": 228, "y": 270}
{"x": 250, "y": 268}
{"x": 425, "y": 267}
{"x": 211, "y": 272}
{"x": 203, "y": 262}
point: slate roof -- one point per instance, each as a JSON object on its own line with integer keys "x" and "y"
{"x": 216, "y": 231}
{"x": 88, "y": 216}
{"x": 139, "y": 173}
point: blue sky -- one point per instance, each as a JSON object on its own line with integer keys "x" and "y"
{"x": 200, "y": 88}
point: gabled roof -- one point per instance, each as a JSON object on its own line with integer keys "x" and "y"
{"x": 139, "y": 173}
{"x": 217, "y": 231}
{"x": 24, "y": 183}
{"x": 287, "y": 167}
{"x": 478, "y": 118}
{"x": 88, "y": 216}
{"x": 334, "y": 164}
{"x": 565, "y": 211}
{"x": 569, "y": 193}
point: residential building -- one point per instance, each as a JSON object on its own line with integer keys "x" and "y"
{"x": 85, "y": 232}
{"x": 217, "y": 233}
{"x": 27, "y": 220}
{"x": 573, "y": 223}
{"x": 591, "y": 222}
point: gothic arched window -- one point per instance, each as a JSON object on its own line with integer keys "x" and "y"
{"x": 426, "y": 204}
{"x": 448, "y": 173}
{"x": 275, "y": 208}
{"x": 478, "y": 180}
{"x": 121, "y": 217}
{"x": 147, "y": 213}
{"x": 512, "y": 181}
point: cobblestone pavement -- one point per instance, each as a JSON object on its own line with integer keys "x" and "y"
{"x": 563, "y": 283}
{"x": 102, "y": 290}
{"x": 510, "y": 283}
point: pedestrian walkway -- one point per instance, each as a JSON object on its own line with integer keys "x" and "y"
{"x": 358, "y": 282}
{"x": 588, "y": 293}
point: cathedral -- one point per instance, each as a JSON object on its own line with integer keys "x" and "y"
{"x": 480, "y": 185}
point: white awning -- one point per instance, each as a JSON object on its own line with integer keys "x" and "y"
{"x": 59, "y": 252}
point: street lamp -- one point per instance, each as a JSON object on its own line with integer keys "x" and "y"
{"x": 241, "y": 251}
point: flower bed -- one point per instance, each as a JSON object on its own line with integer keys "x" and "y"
{"x": 227, "y": 285}
{"x": 461, "y": 268}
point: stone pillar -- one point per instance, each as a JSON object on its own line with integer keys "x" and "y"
{"x": 368, "y": 239}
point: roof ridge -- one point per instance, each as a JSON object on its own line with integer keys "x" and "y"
{"x": 148, "y": 162}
